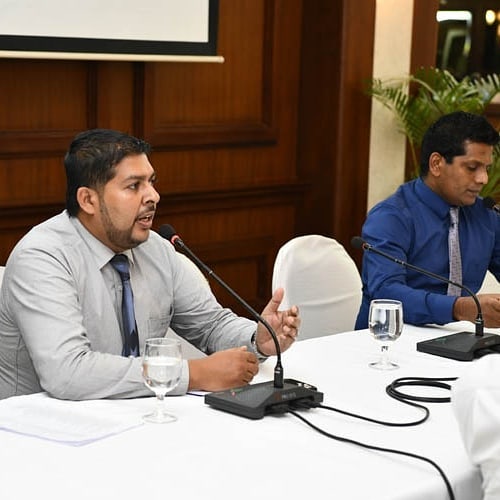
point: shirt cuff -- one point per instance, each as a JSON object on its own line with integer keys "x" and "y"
{"x": 182, "y": 386}
{"x": 253, "y": 344}
{"x": 441, "y": 307}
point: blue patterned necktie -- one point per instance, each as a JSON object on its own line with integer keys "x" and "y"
{"x": 130, "y": 337}
{"x": 454, "y": 254}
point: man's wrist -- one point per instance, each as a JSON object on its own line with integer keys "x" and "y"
{"x": 464, "y": 309}
{"x": 256, "y": 349}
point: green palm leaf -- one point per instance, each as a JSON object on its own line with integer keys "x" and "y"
{"x": 434, "y": 93}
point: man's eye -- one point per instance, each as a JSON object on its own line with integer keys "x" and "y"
{"x": 474, "y": 168}
{"x": 133, "y": 186}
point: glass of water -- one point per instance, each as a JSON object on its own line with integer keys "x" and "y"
{"x": 161, "y": 371}
{"x": 385, "y": 322}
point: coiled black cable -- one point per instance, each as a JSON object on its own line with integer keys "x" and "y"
{"x": 393, "y": 390}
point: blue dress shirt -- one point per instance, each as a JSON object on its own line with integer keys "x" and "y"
{"x": 412, "y": 225}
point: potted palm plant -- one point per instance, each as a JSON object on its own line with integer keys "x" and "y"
{"x": 433, "y": 93}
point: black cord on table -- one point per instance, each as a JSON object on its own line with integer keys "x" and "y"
{"x": 379, "y": 448}
{"x": 393, "y": 391}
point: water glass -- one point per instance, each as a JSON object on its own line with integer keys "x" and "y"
{"x": 385, "y": 322}
{"x": 161, "y": 371}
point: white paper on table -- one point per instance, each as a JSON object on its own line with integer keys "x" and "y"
{"x": 70, "y": 422}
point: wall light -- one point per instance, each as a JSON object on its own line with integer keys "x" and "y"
{"x": 453, "y": 15}
{"x": 490, "y": 17}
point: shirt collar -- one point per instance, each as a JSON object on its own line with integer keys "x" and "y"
{"x": 101, "y": 252}
{"x": 431, "y": 199}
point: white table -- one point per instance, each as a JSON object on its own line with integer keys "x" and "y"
{"x": 210, "y": 454}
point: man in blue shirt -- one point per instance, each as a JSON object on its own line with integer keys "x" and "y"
{"x": 413, "y": 224}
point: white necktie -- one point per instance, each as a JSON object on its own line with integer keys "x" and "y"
{"x": 454, "y": 253}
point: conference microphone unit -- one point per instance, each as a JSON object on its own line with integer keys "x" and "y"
{"x": 462, "y": 346}
{"x": 254, "y": 400}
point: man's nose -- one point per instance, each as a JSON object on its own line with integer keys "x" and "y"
{"x": 482, "y": 176}
{"x": 151, "y": 195}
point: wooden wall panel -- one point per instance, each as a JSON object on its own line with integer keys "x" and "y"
{"x": 38, "y": 96}
{"x": 232, "y": 238}
{"x": 249, "y": 153}
{"x": 233, "y": 103}
{"x": 115, "y": 99}
{"x": 424, "y": 34}
{"x": 180, "y": 99}
{"x": 31, "y": 181}
{"x": 16, "y": 221}
{"x": 43, "y": 104}
{"x": 334, "y": 117}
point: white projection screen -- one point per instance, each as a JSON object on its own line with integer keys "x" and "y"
{"x": 147, "y": 30}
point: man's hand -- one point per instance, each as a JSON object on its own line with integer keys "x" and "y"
{"x": 284, "y": 323}
{"x": 222, "y": 370}
{"x": 465, "y": 309}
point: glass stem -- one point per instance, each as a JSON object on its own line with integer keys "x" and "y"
{"x": 384, "y": 357}
{"x": 160, "y": 404}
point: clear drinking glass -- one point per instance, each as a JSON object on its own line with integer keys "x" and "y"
{"x": 161, "y": 371}
{"x": 385, "y": 322}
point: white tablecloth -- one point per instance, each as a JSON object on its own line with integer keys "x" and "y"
{"x": 210, "y": 454}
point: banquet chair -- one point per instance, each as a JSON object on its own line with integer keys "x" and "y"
{"x": 320, "y": 277}
{"x": 490, "y": 284}
{"x": 189, "y": 351}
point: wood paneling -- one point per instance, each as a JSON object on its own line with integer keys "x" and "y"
{"x": 43, "y": 104}
{"x": 180, "y": 111}
{"x": 249, "y": 153}
{"x": 424, "y": 34}
{"x": 334, "y": 120}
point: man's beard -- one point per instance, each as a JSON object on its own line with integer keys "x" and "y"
{"x": 120, "y": 238}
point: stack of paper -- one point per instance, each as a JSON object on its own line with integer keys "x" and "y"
{"x": 70, "y": 422}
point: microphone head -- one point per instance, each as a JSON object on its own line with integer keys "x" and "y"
{"x": 489, "y": 202}
{"x": 168, "y": 232}
{"x": 358, "y": 242}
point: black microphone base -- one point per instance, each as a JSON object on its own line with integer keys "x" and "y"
{"x": 256, "y": 400}
{"x": 463, "y": 346}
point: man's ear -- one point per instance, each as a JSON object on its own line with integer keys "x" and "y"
{"x": 435, "y": 164}
{"x": 87, "y": 199}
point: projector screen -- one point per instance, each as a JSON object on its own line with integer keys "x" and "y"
{"x": 109, "y": 29}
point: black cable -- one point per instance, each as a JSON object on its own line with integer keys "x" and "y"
{"x": 408, "y": 399}
{"x": 392, "y": 389}
{"x": 382, "y": 422}
{"x": 378, "y": 448}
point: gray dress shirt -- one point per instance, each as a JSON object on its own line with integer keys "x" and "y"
{"x": 60, "y": 313}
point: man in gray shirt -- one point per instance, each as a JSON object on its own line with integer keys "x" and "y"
{"x": 60, "y": 303}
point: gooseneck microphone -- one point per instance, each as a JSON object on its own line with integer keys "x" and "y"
{"x": 358, "y": 242}
{"x": 168, "y": 232}
{"x": 256, "y": 400}
{"x": 463, "y": 346}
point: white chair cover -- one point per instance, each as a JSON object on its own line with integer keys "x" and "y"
{"x": 320, "y": 277}
{"x": 490, "y": 284}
